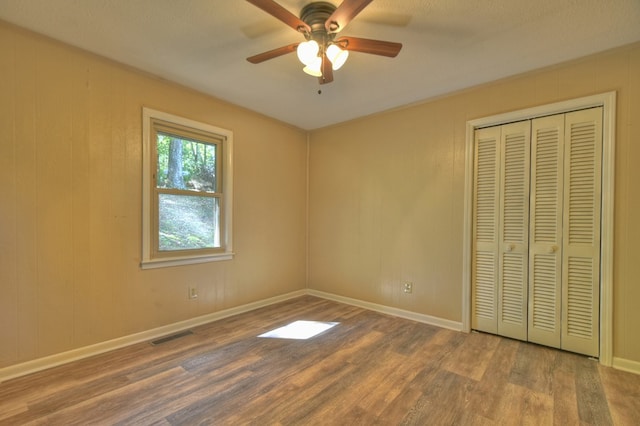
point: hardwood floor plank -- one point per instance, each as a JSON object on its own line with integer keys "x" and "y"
{"x": 443, "y": 401}
{"x": 592, "y": 402}
{"x": 370, "y": 369}
{"x": 521, "y": 405}
{"x": 565, "y": 404}
{"x": 485, "y": 400}
{"x": 192, "y": 390}
{"x": 333, "y": 401}
{"x": 402, "y": 404}
{"x": 472, "y": 359}
{"x": 440, "y": 347}
{"x": 412, "y": 336}
{"x": 533, "y": 368}
{"x": 77, "y": 394}
{"x": 623, "y": 395}
{"x": 12, "y": 409}
{"x": 385, "y": 384}
{"x": 108, "y": 406}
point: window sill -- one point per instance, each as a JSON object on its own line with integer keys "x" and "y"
{"x": 179, "y": 261}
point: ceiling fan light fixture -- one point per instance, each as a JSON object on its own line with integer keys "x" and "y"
{"x": 337, "y": 56}
{"x": 308, "y": 51}
{"x": 314, "y": 68}
{"x": 320, "y": 22}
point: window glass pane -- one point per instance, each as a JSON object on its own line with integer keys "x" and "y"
{"x": 188, "y": 222}
{"x": 185, "y": 164}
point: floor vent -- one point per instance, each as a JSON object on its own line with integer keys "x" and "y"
{"x": 171, "y": 337}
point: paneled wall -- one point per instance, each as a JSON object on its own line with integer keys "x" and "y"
{"x": 70, "y": 203}
{"x": 386, "y": 199}
{"x": 387, "y": 193}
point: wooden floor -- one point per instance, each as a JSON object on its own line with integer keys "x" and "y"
{"x": 370, "y": 369}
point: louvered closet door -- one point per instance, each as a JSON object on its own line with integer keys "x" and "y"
{"x": 545, "y": 239}
{"x": 514, "y": 230}
{"x": 485, "y": 230}
{"x": 536, "y": 224}
{"x": 581, "y": 251}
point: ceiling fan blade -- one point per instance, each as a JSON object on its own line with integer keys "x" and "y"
{"x": 344, "y": 14}
{"x": 374, "y": 47}
{"x": 327, "y": 71}
{"x": 261, "y": 57}
{"x": 279, "y": 12}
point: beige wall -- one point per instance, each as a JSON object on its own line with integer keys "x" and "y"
{"x": 386, "y": 199}
{"x": 387, "y": 192}
{"x": 70, "y": 203}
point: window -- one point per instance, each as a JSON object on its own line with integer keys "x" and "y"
{"x": 187, "y": 191}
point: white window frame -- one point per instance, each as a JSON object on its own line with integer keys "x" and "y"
{"x": 148, "y": 260}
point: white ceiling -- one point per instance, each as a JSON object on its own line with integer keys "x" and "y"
{"x": 448, "y": 45}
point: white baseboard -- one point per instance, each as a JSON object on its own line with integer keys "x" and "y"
{"x": 54, "y": 360}
{"x": 39, "y": 364}
{"x": 626, "y": 365}
{"x": 427, "y": 319}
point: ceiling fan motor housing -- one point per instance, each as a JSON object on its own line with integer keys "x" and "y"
{"x": 316, "y": 15}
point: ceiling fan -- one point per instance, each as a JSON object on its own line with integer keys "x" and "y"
{"x": 320, "y": 22}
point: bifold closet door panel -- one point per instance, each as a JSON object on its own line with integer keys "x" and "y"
{"x": 581, "y": 248}
{"x": 536, "y": 230}
{"x": 514, "y": 229}
{"x": 545, "y": 233}
{"x": 484, "y": 266}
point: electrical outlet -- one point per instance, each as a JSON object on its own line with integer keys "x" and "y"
{"x": 407, "y": 286}
{"x": 193, "y": 293}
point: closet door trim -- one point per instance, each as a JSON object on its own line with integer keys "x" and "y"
{"x": 608, "y": 102}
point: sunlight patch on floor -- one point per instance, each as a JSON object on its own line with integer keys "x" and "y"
{"x": 299, "y": 330}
